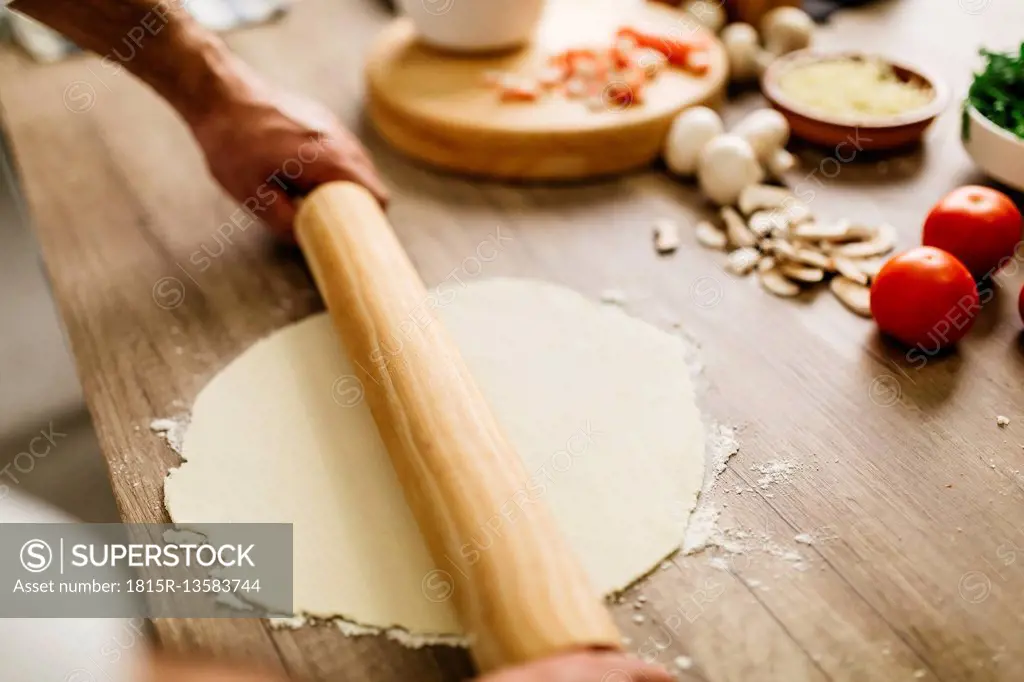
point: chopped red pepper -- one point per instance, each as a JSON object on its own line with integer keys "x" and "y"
{"x": 614, "y": 76}
{"x": 676, "y": 50}
{"x": 519, "y": 93}
{"x": 619, "y": 95}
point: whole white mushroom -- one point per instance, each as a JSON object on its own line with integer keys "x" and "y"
{"x": 727, "y": 164}
{"x": 690, "y": 131}
{"x": 709, "y": 13}
{"x": 766, "y": 130}
{"x": 743, "y": 48}
{"x": 786, "y": 29}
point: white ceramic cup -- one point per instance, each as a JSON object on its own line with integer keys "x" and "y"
{"x": 474, "y": 25}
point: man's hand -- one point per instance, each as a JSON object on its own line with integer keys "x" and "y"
{"x": 583, "y": 666}
{"x": 263, "y": 145}
{"x": 267, "y": 148}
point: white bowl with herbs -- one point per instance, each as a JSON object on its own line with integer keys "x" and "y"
{"x": 993, "y": 123}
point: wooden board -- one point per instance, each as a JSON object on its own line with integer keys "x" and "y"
{"x": 438, "y": 108}
{"x": 912, "y": 494}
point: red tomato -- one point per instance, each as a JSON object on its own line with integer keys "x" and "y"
{"x": 978, "y": 225}
{"x": 1020, "y": 304}
{"x": 924, "y": 297}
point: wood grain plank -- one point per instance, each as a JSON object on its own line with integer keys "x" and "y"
{"x": 322, "y": 654}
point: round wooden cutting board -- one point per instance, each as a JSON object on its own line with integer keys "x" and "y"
{"x": 437, "y": 108}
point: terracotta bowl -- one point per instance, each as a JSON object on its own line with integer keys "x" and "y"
{"x": 875, "y": 133}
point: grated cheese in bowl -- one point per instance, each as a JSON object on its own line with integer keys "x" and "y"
{"x": 851, "y": 87}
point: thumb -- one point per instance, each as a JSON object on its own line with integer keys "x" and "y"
{"x": 358, "y": 169}
{"x": 278, "y": 212}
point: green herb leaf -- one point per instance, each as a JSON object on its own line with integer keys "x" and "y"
{"x": 998, "y": 91}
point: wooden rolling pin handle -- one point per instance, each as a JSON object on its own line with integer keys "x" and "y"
{"x": 525, "y": 596}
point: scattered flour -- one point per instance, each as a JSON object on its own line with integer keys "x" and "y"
{"x": 683, "y": 662}
{"x": 701, "y": 533}
{"x": 804, "y": 539}
{"x": 171, "y": 430}
{"x": 350, "y": 629}
{"x": 775, "y": 471}
{"x": 722, "y": 444}
{"x": 735, "y": 541}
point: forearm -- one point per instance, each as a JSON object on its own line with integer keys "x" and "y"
{"x": 249, "y": 130}
{"x": 158, "y": 41}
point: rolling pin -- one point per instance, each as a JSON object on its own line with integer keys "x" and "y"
{"x": 524, "y": 598}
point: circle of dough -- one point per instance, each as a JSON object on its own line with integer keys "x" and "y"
{"x": 599, "y": 406}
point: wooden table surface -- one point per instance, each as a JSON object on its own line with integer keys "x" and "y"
{"x": 911, "y": 492}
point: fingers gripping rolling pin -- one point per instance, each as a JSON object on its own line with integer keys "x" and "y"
{"x": 524, "y": 598}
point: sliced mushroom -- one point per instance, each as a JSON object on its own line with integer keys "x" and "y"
{"x": 743, "y": 260}
{"x": 766, "y": 263}
{"x": 813, "y": 258}
{"x": 797, "y": 212}
{"x": 777, "y": 283}
{"x": 666, "y": 236}
{"x": 781, "y": 248}
{"x": 710, "y": 236}
{"x": 759, "y": 196}
{"x": 739, "y": 234}
{"x": 842, "y": 231}
{"x": 814, "y": 231}
{"x": 870, "y": 266}
{"x": 764, "y": 223}
{"x": 848, "y": 268}
{"x": 862, "y": 231}
{"x": 854, "y": 296}
{"x": 883, "y": 242}
{"x": 802, "y": 273}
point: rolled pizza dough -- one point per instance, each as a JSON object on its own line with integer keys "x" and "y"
{"x": 599, "y": 406}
